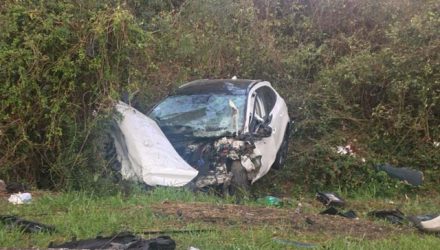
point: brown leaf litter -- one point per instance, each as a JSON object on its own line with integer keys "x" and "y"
{"x": 242, "y": 215}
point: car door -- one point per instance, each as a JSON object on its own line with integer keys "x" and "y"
{"x": 265, "y": 103}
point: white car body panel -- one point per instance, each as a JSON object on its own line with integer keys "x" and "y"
{"x": 431, "y": 225}
{"x": 146, "y": 154}
{"x": 268, "y": 147}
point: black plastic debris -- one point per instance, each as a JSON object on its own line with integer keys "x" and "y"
{"x": 123, "y": 240}
{"x": 294, "y": 243}
{"x": 412, "y": 176}
{"x": 420, "y": 218}
{"x": 310, "y": 221}
{"x": 334, "y": 211}
{"x": 392, "y": 216}
{"x": 181, "y": 231}
{"x": 25, "y": 225}
{"x": 330, "y": 199}
{"x": 15, "y": 187}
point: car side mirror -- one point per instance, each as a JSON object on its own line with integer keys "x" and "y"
{"x": 268, "y": 119}
{"x": 263, "y": 130}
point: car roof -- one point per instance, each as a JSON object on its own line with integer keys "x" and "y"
{"x": 216, "y": 86}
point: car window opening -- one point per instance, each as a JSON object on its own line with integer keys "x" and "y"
{"x": 201, "y": 115}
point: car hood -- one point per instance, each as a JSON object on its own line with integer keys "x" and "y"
{"x": 145, "y": 153}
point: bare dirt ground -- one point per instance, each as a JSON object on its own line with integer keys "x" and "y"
{"x": 241, "y": 215}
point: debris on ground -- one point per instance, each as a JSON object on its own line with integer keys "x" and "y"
{"x": 330, "y": 199}
{"x": 350, "y": 214}
{"x": 349, "y": 149}
{"x": 294, "y": 243}
{"x": 345, "y": 150}
{"x": 272, "y": 201}
{"x": 392, "y": 216}
{"x": 193, "y": 248}
{"x": 16, "y": 187}
{"x": 26, "y": 226}
{"x": 123, "y": 240}
{"x": 20, "y": 198}
{"x": 241, "y": 215}
{"x": 419, "y": 218}
{"x": 411, "y": 176}
{"x": 426, "y": 223}
{"x": 177, "y": 231}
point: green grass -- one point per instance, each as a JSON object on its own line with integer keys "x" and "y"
{"x": 85, "y": 215}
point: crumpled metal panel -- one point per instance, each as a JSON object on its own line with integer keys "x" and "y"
{"x": 145, "y": 153}
{"x": 224, "y": 150}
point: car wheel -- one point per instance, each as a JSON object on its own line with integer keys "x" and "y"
{"x": 280, "y": 160}
{"x": 108, "y": 156}
{"x": 240, "y": 185}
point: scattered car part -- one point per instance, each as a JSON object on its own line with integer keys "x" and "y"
{"x": 393, "y": 216}
{"x": 15, "y": 187}
{"x": 298, "y": 208}
{"x": 294, "y": 243}
{"x": 426, "y": 223}
{"x": 25, "y": 225}
{"x": 177, "y": 231}
{"x": 334, "y": 211}
{"x": 413, "y": 177}
{"x": 432, "y": 225}
{"x": 419, "y": 218}
{"x": 123, "y": 240}
{"x": 330, "y": 199}
{"x": 20, "y": 198}
{"x": 193, "y": 248}
{"x": 345, "y": 150}
{"x": 145, "y": 153}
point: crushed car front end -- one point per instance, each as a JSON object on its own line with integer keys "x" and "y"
{"x": 205, "y": 123}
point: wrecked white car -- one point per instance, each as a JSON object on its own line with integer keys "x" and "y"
{"x": 231, "y": 131}
{"x": 209, "y": 133}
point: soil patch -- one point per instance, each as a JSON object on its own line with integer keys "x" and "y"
{"x": 241, "y": 215}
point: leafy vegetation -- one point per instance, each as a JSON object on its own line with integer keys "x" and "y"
{"x": 359, "y": 72}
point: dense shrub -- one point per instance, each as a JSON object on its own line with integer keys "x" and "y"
{"x": 62, "y": 63}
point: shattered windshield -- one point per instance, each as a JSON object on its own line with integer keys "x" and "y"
{"x": 203, "y": 115}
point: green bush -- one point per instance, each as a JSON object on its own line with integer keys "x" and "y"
{"x": 62, "y": 65}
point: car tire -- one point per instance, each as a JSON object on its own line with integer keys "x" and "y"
{"x": 108, "y": 156}
{"x": 280, "y": 160}
{"x": 240, "y": 185}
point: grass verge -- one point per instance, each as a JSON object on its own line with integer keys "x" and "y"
{"x": 85, "y": 215}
